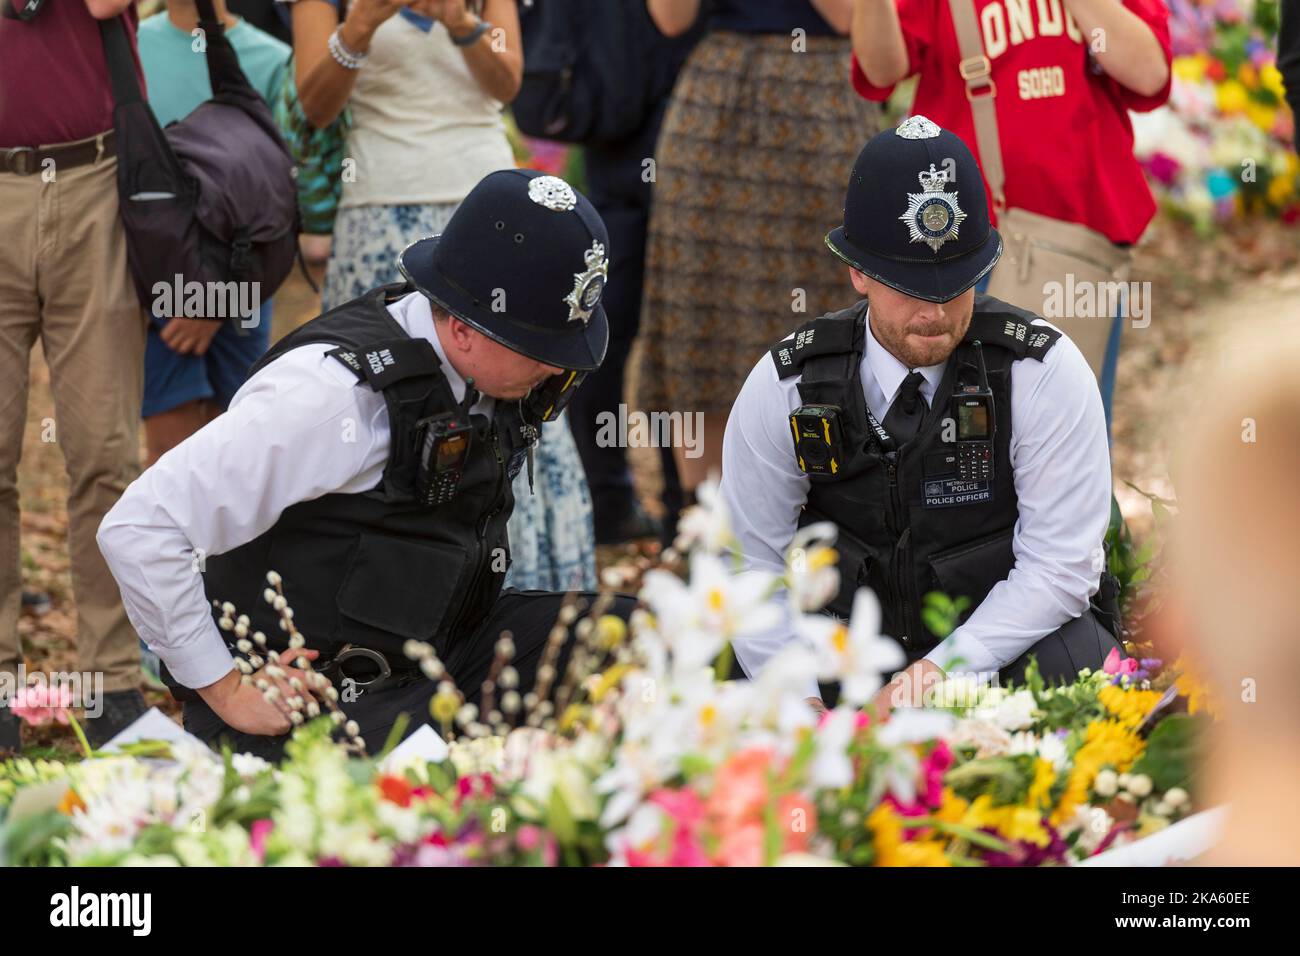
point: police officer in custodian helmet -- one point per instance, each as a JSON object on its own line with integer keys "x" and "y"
{"x": 957, "y": 442}
{"x": 368, "y": 461}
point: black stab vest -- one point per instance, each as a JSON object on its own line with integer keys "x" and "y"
{"x": 907, "y": 526}
{"x": 377, "y": 568}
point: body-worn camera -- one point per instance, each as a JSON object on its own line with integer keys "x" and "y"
{"x": 818, "y": 439}
{"x": 550, "y": 398}
{"x": 443, "y": 454}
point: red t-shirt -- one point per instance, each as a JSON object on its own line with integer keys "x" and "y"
{"x": 54, "y": 85}
{"x": 1067, "y": 143}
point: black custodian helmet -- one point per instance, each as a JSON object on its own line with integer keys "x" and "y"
{"x": 915, "y": 216}
{"x": 524, "y": 260}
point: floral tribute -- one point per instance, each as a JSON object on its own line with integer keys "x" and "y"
{"x": 1223, "y": 148}
{"x": 638, "y": 753}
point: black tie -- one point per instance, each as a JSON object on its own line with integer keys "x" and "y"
{"x": 904, "y": 417}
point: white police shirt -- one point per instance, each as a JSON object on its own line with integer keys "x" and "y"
{"x": 300, "y": 428}
{"x": 1061, "y": 461}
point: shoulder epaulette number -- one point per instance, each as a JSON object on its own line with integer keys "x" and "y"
{"x": 384, "y": 363}
{"x": 1018, "y": 335}
{"x": 824, "y": 336}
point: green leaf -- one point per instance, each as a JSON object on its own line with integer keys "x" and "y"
{"x": 560, "y": 821}
{"x": 1171, "y": 752}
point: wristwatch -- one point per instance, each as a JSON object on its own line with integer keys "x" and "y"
{"x": 473, "y": 36}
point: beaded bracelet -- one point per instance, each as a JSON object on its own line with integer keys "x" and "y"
{"x": 342, "y": 55}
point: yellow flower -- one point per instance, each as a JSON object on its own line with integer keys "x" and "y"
{"x": 952, "y": 808}
{"x": 1270, "y": 78}
{"x": 891, "y": 850}
{"x": 1013, "y": 821}
{"x": 1129, "y": 705}
{"x": 1106, "y": 743}
{"x": 443, "y": 707}
{"x": 611, "y": 631}
{"x": 1262, "y": 115}
{"x": 1231, "y": 97}
{"x": 1248, "y": 76}
{"x": 1040, "y": 791}
{"x": 1190, "y": 69}
{"x": 608, "y": 681}
{"x": 71, "y": 802}
{"x": 1280, "y": 189}
{"x": 573, "y": 715}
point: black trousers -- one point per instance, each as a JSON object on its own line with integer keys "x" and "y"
{"x": 528, "y": 615}
{"x": 1082, "y": 642}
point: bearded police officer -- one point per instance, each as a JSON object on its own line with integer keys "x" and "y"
{"x": 957, "y": 442}
{"x": 368, "y": 460}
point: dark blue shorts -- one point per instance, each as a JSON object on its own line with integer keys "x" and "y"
{"x": 172, "y": 380}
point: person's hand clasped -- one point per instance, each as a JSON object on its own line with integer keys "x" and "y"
{"x": 364, "y": 18}
{"x": 244, "y": 706}
{"x": 189, "y": 336}
{"x": 453, "y": 14}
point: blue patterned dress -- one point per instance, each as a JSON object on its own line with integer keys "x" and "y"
{"x": 552, "y": 538}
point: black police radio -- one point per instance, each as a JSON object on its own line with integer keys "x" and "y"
{"x": 444, "y": 450}
{"x": 973, "y": 413}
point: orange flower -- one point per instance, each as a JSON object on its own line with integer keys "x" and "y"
{"x": 740, "y": 790}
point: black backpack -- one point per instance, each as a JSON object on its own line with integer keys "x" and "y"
{"x": 211, "y": 199}
{"x": 594, "y": 70}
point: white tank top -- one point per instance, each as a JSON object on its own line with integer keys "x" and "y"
{"x": 423, "y": 130}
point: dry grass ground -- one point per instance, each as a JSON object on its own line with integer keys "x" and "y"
{"x": 1199, "y": 287}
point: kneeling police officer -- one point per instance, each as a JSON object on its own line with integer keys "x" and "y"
{"x": 368, "y": 460}
{"x": 957, "y": 442}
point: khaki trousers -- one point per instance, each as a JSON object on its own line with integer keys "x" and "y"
{"x": 64, "y": 277}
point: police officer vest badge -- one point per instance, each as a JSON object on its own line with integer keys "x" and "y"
{"x": 933, "y": 215}
{"x": 588, "y": 285}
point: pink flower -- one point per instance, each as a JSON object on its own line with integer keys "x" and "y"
{"x": 932, "y": 771}
{"x": 38, "y": 704}
{"x": 257, "y": 836}
{"x": 1117, "y": 666}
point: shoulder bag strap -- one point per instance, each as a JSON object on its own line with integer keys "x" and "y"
{"x": 981, "y": 91}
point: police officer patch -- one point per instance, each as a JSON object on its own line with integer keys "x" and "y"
{"x": 933, "y": 215}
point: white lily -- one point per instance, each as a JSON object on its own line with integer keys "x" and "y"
{"x": 696, "y": 619}
{"x": 856, "y": 655}
{"x": 706, "y": 525}
{"x": 811, "y": 575}
{"x": 831, "y": 767}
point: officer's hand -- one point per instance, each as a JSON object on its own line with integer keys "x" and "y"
{"x": 906, "y": 689}
{"x": 245, "y": 708}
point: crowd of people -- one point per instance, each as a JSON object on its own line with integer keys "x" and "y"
{"x": 717, "y": 202}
